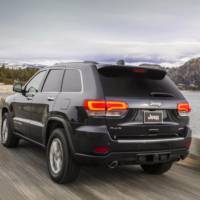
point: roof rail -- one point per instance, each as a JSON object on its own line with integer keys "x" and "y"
{"x": 92, "y": 62}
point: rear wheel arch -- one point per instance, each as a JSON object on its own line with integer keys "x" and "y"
{"x": 58, "y": 122}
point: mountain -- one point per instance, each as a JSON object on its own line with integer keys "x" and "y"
{"x": 187, "y": 76}
{"x": 21, "y": 66}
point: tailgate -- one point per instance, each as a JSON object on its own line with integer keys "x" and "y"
{"x": 152, "y": 100}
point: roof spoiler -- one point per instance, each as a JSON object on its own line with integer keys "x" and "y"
{"x": 152, "y": 72}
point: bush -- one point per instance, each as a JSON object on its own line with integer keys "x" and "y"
{"x": 8, "y": 76}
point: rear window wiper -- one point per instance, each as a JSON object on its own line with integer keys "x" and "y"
{"x": 161, "y": 94}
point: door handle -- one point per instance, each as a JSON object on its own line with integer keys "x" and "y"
{"x": 29, "y": 98}
{"x": 50, "y": 98}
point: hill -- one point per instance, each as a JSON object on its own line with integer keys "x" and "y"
{"x": 187, "y": 76}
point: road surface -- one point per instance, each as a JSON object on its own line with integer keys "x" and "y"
{"x": 23, "y": 176}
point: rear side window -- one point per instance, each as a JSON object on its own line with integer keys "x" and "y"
{"x": 130, "y": 85}
{"x": 53, "y": 81}
{"x": 72, "y": 81}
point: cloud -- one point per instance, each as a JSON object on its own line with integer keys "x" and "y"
{"x": 169, "y": 53}
{"x": 154, "y": 31}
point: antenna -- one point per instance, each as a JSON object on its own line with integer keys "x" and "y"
{"x": 121, "y": 62}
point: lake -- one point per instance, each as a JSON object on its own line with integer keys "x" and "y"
{"x": 194, "y": 100}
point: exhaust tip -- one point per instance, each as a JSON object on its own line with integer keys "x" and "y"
{"x": 113, "y": 164}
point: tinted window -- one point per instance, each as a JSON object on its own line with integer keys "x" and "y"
{"x": 53, "y": 81}
{"x": 72, "y": 81}
{"x": 121, "y": 85}
{"x": 34, "y": 85}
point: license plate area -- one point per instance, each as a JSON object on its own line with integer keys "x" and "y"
{"x": 153, "y": 117}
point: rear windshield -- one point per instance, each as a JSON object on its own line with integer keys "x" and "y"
{"x": 128, "y": 85}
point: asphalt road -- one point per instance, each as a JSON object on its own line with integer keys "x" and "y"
{"x": 23, "y": 175}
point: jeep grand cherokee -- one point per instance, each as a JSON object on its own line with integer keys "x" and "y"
{"x": 99, "y": 113}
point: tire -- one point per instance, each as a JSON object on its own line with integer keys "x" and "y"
{"x": 157, "y": 168}
{"x": 61, "y": 167}
{"x": 8, "y": 139}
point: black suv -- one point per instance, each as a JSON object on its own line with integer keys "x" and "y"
{"x": 98, "y": 113}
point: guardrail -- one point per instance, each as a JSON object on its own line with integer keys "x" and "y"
{"x": 195, "y": 147}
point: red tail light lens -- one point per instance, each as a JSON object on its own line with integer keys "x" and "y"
{"x": 116, "y": 105}
{"x": 188, "y": 144}
{"x": 101, "y": 150}
{"x": 139, "y": 70}
{"x": 183, "y": 109}
{"x": 105, "y": 108}
{"x": 95, "y": 105}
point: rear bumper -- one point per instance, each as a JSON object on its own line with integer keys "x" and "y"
{"x": 146, "y": 151}
{"x": 148, "y": 157}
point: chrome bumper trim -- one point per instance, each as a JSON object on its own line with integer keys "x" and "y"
{"x": 151, "y": 140}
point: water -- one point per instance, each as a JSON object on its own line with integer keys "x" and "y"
{"x": 194, "y": 100}
{"x": 3, "y": 94}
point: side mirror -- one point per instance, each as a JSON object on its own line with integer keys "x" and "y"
{"x": 17, "y": 87}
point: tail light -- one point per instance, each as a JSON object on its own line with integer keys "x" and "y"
{"x": 188, "y": 143}
{"x": 105, "y": 108}
{"x": 139, "y": 70}
{"x": 183, "y": 109}
{"x": 101, "y": 150}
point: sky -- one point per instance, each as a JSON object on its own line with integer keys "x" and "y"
{"x": 165, "y": 32}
